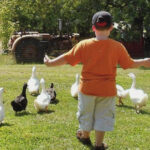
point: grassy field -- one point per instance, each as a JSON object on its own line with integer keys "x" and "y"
{"x": 56, "y": 129}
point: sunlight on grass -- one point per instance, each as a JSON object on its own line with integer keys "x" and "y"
{"x": 7, "y": 59}
{"x": 56, "y": 129}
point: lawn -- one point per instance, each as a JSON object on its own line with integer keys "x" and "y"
{"x": 56, "y": 129}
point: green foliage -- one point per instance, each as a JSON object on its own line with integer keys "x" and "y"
{"x": 133, "y": 19}
{"x": 42, "y": 16}
{"x": 6, "y": 25}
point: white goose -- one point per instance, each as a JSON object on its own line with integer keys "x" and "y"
{"x": 121, "y": 93}
{"x": 43, "y": 100}
{"x": 137, "y": 96}
{"x": 33, "y": 83}
{"x": 74, "y": 88}
{"x": 2, "y": 113}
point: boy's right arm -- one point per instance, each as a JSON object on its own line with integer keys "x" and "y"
{"x": 58, "y": 61}
{"x": 141, "y": 62}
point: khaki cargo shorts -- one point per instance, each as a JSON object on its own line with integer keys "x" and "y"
{"x": 96, "y": 113}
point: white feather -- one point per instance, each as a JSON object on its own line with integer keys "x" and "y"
{"x": 2, "y": 113}
{"x": 75, "y": 87}
{"x": 137, "y": 96}
{"x": 121, "y": 92}
{"x": 43, "y": 100}
{"x": 33, "y": 83}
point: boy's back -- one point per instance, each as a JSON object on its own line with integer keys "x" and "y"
{"x": 99, "y": 59}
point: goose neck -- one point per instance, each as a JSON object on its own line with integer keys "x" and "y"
{"x": 24, "y": 91}
{"x": 133, "y": 83}
{"x": 77, "y": 80}
{"x": 43, "y": 88}
{"x": 33, "y": 75}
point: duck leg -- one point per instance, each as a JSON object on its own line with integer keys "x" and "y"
{"x": 120, "y": 101}
{"x": 137, "y": 108}
{"x": 46, "y": 108}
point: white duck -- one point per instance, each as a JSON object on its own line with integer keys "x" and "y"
{"x": 33, "y": 83}
{"x": 2, "y": 113}
{"x": 74, "y": 88}
{"x": 121, "y": 93}
{"x": 43, "y": 100}
{"x": 137, "y": 96}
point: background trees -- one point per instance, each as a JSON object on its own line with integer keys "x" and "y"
{"x": 42, "y": 15}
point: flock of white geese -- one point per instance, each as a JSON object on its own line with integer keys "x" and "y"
{"x": 137, "y": 96}
{"x": 41, "y": 101}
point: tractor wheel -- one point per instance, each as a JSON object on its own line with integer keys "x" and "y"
{"x": 29, "y": 50}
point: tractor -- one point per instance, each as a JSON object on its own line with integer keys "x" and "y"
{"x": 32, "y": 46}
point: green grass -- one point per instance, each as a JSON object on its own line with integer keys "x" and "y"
{"x": 56, "y": 129}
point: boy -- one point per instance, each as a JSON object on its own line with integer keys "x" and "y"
{"x": 97, "y": 89}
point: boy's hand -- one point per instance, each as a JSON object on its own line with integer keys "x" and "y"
{"x": 46, "y": 59}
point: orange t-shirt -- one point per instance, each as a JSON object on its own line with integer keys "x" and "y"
{"x": 99, "y": 59}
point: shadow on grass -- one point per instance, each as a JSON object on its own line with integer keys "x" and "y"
{"x": 5, "y": 124}
{"x": 91, "y": 147}
{"x": 126, "y": 106}
{"x": 76, "y": 98}
{"x": 144, "y": 68}
{"x": 46, "y": 112}
{"x": 24, "y": 113}
{"x": 133, "y": 108}
{"x": 144, "y": 112}
{"x": 34, "y": 95}
{"x": 56, "y": 101}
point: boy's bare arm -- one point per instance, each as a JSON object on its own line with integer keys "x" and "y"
{"x": 141, "y": 62}
{"x": 58, "y": 61}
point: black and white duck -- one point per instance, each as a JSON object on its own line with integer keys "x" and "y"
{"x": 51, "y": 91}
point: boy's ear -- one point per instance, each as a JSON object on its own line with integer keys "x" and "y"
{"x": 93, "y": 28}
{"x": 111, "y": 28}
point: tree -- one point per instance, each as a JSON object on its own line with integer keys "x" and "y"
{"x": 42, "y": 15}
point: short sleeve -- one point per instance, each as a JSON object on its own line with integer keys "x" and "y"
{"x": 73, "y": 57}
{"x": 125, "y": 61}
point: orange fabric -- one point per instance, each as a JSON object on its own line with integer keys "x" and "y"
{"x": 99, "y": 59}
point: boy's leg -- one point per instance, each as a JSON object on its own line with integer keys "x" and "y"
{"x": 99, "y": 137}
{"x": 104, "y": 118}
{"x": 85, "y": 114}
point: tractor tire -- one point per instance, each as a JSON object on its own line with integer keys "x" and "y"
{"x": 28, "y": 50}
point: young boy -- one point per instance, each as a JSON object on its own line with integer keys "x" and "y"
{"x": 97, "y": 89}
